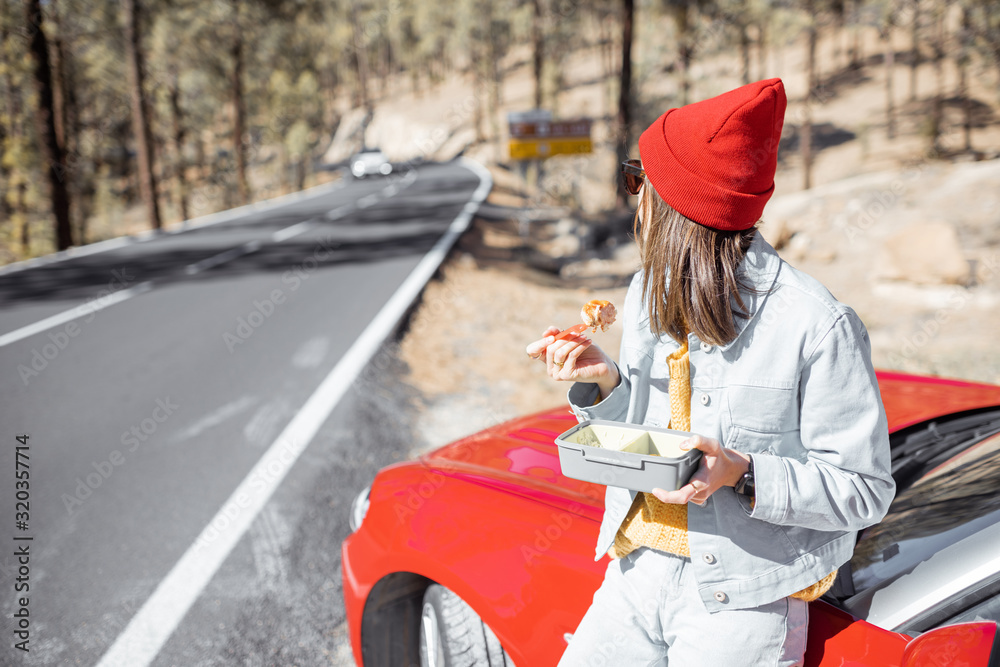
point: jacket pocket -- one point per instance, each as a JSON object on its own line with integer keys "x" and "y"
{"x": 762, "y": 419}
{"x": 763, "y": 409}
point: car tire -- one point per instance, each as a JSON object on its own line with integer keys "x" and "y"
{"x": 453, "y": 635}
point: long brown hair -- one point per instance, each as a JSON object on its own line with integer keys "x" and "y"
{"x": 701, "y": 265}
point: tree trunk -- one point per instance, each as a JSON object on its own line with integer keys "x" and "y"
{"x": 744, "y": 53}
{"x": 68, "y": 128}
{"x": 496, "y": 84}
{"x": 329, "y": 81}
{"x": 762, "y": 49}
{"x": 839, "y": 9}
{"x": 806, "y": 138}
{"x": 22, "y": 209}
{"x": 6, "y": 185}
{"x": 285, "y": 168}
{"x": 625, "y": 95}
{"x": 478, "y": 88}
{"x": 53, "y": 152}
{"x": 385, "y": 64}
{"x": 855, "y": 54}
{"x": 963, "y": 78}
{"x": 963, "y": 87}
{"x": 914, "y": 49}
{"x": 8, "y": 129}
{"x": 606, "y": 37}
{"x": 890, "y": 110}
{"x": 360, "y": 58}
{"x": 538, "y": 49}
{"x": 239, "y": 112}
{"x": 140, "y": 111}
{"x": 300, "y": 173}
{"x": 58, "y": 54}
{"x": 682, "y": 19}
{"x": 937, "y": 110}
{"x": 180, "y": 164}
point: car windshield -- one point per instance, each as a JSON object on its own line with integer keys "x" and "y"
{"x": 939, "y": 502}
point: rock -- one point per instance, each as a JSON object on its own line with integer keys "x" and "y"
{"x": 777, "y": 232}
{"x": 455, "y": 144}
{"x": 925, "y": 254}
{"x": 798, "y": 247}
{"x": 561, "y": 247}
{"x": 348, "y": 138}
{"x": 826, "y": 255}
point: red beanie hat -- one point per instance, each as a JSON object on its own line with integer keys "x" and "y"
{"x": 714, "y": 161}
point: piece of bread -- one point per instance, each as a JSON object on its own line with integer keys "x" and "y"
{"x": 598, "y": 313}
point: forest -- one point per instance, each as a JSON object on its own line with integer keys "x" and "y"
{"x": 164, "y": 110}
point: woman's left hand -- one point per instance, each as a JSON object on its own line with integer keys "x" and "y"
{"x": 719, "y": 467}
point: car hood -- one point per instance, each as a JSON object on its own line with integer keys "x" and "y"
{"x": 520, "y": 456}
{"x": 910, "y": 399}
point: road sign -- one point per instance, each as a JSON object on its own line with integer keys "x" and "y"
{"x": 534, "y": 135}
{"x": 534, "y": 149}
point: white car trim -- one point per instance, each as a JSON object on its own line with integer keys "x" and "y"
{"x": 954, "y": 569}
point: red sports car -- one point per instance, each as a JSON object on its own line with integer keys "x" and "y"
{"x": 481, "y": 552}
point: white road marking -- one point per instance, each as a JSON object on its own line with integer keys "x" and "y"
{"x": 293, "y": 230}
{"x": 216, "y": 417}
{"x": 311, "y": 353}
{"x": 368, "y": 200}
{"x": 191, "y": 269}
{"x": 194, "y": 223}
{"x": 149, "y": 629}
{"x": 73, "y": 313}
{"x": 339, "y": 212}
{"x": 265, "y": 422}
{"x": 223, "y": 257}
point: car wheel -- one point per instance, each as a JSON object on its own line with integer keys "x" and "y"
{"x": 453, "y": 635}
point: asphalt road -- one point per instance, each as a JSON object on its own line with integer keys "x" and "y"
{"x": 146, "y": 408}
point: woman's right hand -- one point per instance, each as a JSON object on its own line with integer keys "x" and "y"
{"x": 575, "y": 359}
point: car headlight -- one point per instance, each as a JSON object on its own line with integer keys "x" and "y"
{"x": 359, "y": 508}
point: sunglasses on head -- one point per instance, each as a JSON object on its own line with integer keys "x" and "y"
{"x": 633, "y": 176}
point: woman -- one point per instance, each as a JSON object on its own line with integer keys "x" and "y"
{"x": 773, "y": 376}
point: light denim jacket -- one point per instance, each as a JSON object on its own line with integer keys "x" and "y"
{"x": 796, "y": 390}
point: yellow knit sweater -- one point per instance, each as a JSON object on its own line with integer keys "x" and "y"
{"x": 653, "y": 523}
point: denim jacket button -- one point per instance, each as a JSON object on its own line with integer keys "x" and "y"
{"x": 720, "y": 596}
{"x": 705, "y": 347}
{"x": 704, "y": 399}
{"x": 708, "y": 558}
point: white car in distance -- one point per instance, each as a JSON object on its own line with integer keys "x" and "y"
{"x": 370, "y": 162}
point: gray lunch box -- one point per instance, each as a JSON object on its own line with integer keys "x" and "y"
{"x": 634, "y": 457}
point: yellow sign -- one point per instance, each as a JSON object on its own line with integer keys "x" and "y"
{"x": 530, "y": 149}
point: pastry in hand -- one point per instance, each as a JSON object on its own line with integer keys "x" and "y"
{"x": 598, "y": 313}
{"x": 595, "y": 314}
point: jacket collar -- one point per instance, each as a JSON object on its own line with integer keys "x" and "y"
{"x": 758, "y": 270}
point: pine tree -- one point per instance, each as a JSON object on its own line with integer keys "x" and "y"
{"x": 53, "y": 151}
{"x": 132, "y": 21}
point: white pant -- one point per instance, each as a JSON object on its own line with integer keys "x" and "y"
{"x": 647, "y": 613}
